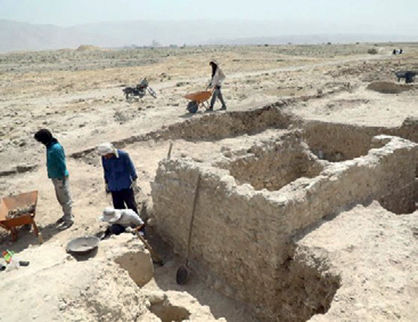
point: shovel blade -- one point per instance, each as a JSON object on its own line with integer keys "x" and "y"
{"x": 183, "y": 274}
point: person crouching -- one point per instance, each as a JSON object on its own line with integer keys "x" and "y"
{"x": 120, "y": 220}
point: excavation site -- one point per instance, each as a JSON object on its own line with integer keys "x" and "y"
{"x": 259, "y": 195}
{"x": 296, "y": 203}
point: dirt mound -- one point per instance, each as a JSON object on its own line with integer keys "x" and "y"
{"x": 388, "y": 87}
{"x": 88, "y": 48}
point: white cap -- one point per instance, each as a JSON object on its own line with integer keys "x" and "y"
{"x": 110, "y": 215}
{"x": 107, "y": 148}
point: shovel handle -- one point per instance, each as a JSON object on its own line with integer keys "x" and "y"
{"x": 155, "y": 257}
{"x": 169, "y": 151}
{"x": 196, "y": 194}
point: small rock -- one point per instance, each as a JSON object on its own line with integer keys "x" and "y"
{"x": 155, "y": 297}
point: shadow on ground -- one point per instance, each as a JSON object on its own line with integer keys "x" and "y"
{"x": 26, "y": 237}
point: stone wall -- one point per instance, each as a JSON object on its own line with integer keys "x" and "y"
{"x": 242, "y": 236}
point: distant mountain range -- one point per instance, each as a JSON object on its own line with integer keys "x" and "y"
{"x": 19, "y": 36}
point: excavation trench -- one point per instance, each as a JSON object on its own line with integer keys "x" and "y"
{"x": 275, "y": 165}
{"x": 337, "y": 142}
{"x": 210, "y": 128}
{"x": 251, "y": 203}
{"x": 333, "y": 142}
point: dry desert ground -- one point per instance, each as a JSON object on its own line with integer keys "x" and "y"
{"x": 307, "y": 203}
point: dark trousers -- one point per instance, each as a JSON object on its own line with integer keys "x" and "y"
{"x": 124, "y": 199}
{"x": 217, "y": 94}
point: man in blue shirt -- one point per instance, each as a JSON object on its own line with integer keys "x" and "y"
{"x": 120, "y": 176}
{"x": 58, "y": 173}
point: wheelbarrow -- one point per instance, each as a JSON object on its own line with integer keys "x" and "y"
{"x": 17, "y": 211}
{"x": 197, "y": 99}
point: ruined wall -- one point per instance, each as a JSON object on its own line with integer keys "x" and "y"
{"x": 231, "y": 124}
{"x": 243, "y": 235}
{"x": 236, "y": 234}
{"x": 275, "y": 164}
{"x": 408, "y": 129}
{"x": 339, "y": 142}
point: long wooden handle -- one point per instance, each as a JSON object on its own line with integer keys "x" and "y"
{"x": 155, "y": 257}
{"x": 196, "y": 194}
{"x": 169, "y": 151}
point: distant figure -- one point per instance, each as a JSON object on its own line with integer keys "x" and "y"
{"x": 408, "y": 75}
{"x": 394, "y": 52}
{"x": 120, "y": 176}
{"x": 216, "y": 82}
{"x": 400, "y": 51}
{"x": 58, "y": 173}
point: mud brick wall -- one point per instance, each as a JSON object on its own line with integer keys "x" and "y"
{"x": 243, "y": 236}
{"x": 339, "y": 142}
{"x": 275, "y": 164}
{"x": 236, "y": 233}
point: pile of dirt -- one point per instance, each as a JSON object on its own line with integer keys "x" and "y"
{"x": 388, "y": 87}
{"x": 88, "y": 48}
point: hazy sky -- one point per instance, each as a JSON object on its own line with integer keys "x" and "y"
{"x": 301, "y": 15}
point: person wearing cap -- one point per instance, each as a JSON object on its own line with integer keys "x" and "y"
{"x": 119, "y": 175}
{"x": 120, "y": 220}
{"x": 58, "y": 173}
{"x": 216, "y": 82}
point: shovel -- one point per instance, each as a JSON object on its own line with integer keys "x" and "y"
{"x": 183, "y": 271}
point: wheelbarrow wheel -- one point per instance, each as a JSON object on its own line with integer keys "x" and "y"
{"x": 192, "y": 107}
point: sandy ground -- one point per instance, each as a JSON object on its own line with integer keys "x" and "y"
{"x": 79, "y": 97}
{"x": 85, "y": 107}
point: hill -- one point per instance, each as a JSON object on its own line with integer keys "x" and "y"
{"x": 18, "y": 36}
